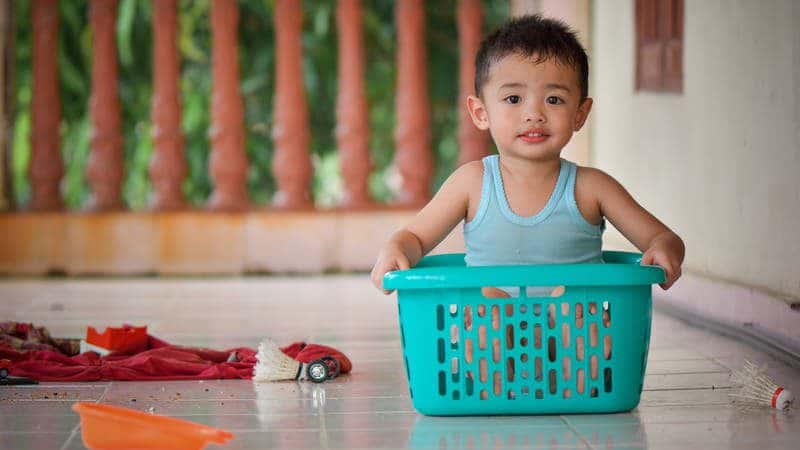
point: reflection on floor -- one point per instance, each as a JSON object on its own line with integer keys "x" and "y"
{"x": 684, "y": 404}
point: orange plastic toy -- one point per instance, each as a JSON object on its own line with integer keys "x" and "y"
{"x": 118, "y": 339}
{"x": 106, "y": 427}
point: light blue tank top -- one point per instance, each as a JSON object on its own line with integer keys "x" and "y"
{"x": 558, "y": 234}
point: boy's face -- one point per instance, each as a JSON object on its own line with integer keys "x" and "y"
{"x": 531, "y": 109}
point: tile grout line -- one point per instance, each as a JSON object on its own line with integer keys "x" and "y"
{"x": 701, "y": 372}
{"x": 71, "y": 436}
{"x": 577, "y": 433}
{"x": 78, "y": 426}
{"x": 702, "y": 388}
{"x": 683, "y": 405}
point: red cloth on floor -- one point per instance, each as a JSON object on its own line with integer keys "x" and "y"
{"x": 159, "y": 361}
{"x": 167, "y": 362}
{"x": 25, "y": 336}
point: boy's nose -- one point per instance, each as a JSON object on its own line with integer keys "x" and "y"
{"x": 535, "y": 115}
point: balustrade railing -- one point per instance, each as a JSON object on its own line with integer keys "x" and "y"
{"x": 171, "y": 237}
{"x": 228, "y": 163}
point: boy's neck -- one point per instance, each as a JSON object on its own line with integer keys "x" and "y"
{"x": 528, "y": 169}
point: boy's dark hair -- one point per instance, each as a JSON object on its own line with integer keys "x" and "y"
{"x": 528, "y": 36}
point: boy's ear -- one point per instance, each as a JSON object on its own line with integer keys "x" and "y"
{"x": 583, "y": 113}
{"x": 477, "y": 111}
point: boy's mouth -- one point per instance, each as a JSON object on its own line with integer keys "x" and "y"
{"x": 533, "y": 136}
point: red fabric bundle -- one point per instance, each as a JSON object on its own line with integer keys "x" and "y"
{"x": 159, "y": 361}
{"x": 168, "y": 362}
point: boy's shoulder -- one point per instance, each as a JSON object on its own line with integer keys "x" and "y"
{"x": 591, "y": 187}
{"x": 470, "y": 177}
{"x": 594, "y": 183}
{"x": 592, "y": 176}
{"x": 472, "y": 167}
{"x": 467, "y": 181}
{"x": 469, "y": 172}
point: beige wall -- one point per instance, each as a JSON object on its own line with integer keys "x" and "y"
{"x": 720, "y": 164}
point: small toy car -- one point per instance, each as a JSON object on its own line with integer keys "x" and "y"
{"x": 325, "y": 368}
{"x": 5, "y": 367}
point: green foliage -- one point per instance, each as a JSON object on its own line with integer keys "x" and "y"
{"x": 257, "y": 67}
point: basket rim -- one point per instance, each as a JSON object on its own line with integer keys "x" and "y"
{"x": 450, "y": 271}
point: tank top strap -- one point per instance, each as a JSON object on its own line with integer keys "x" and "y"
{"x": 572, "y": 204}
{"x": 572, "y": 171}
{"x": 487, "y": 186}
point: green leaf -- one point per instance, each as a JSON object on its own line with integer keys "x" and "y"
{"x": 73, "y": 79}
{"x": 193, "y": 18}
{"x": 322, "y": 18}
{"x": 70, "y": 16}
{"x": 125, "y": 18}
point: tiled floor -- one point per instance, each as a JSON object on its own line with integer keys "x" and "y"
{"x": 684, "y": 404}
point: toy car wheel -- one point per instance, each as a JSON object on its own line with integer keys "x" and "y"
{"x": 317, "y": 371}
{"x": 3, "y": 373}
{"x": 333, "y": 366}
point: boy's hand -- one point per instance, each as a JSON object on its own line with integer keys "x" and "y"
{"x": 391, "y": 258}
{"x": 663, "y": 253}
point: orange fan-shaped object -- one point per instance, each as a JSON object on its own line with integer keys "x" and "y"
{"x": 109, "y": 427}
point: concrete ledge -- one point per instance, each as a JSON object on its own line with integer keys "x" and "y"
{"x": 742, "y": 310}
{"x": 197, "y": 242}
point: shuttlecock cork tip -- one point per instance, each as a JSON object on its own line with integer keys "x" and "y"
{"x": 782, "y": 398}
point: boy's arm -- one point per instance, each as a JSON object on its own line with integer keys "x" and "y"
{"x": 660, "y": 245}
{"x": 430, "y": 226}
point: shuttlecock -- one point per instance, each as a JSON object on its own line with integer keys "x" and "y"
{"x": 756, "y": 388}
{"x": 274, "y": 365}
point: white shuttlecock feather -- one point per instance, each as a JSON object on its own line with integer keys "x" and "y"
{"x": 756, "y": 388}
{"x": 274, "y": 365}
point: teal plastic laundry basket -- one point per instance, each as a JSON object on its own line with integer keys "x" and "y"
{"x": 574, "y": 340}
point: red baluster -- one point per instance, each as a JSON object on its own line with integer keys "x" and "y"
{"x": 228, "y": 160}
{"x": 291, "y": 164}
{"x": 46, "y": 166}
{"x": 412, "y": 135}
{"x": 168, "y": 165}
{"x": 472, "y": 142}
{"x": 104, "y": 167}
{"x": 352, "y": 127}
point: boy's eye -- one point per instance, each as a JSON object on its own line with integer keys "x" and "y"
{"x": 513, "y": 99}
{"x": 553, "y": 100}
